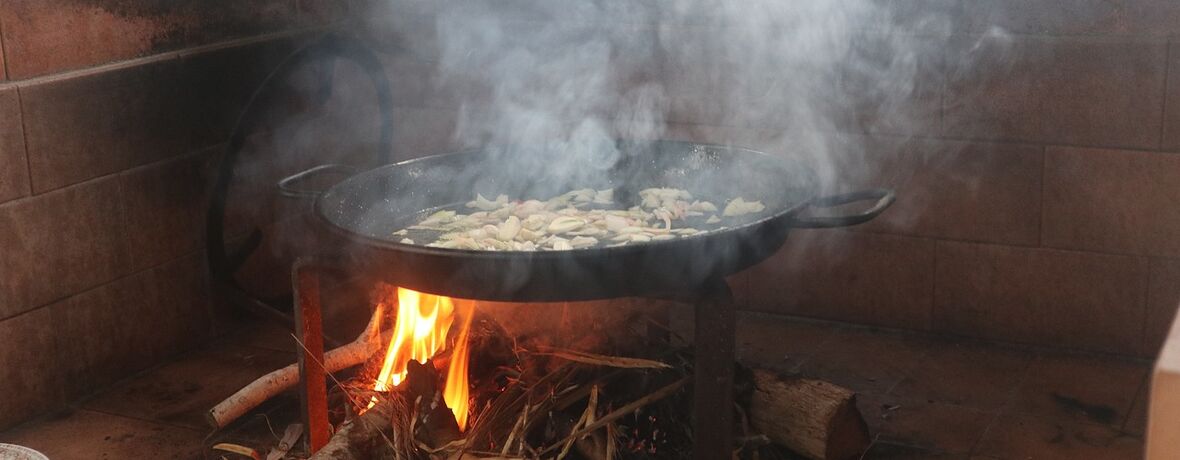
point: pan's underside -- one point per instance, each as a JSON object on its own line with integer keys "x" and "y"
{"x": 369, "y": 207}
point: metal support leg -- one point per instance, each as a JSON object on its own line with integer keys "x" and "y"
{"x": 712, "y": 423}
{"x": 309, "y": 327}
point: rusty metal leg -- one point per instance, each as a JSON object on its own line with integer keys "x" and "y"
{"x": 309, "y": 328}
{"x": 713, "y": 388}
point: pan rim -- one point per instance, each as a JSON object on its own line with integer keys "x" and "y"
{"x": 393, "y": 245}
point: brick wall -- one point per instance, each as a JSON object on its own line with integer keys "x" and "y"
{"x": 112, "y": 115}
{"x": 1038, "y": 174}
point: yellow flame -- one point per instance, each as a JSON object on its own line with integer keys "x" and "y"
{"x": 455, "y": 393}
{"x": 423, "y": 321}
{"x": 420, "y": 332}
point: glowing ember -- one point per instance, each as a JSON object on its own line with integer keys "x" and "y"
{"x": 420, "y": 333}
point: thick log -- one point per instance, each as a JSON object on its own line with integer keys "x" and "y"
{"x": 814, "y": 418}
{"x": 359, "y": 437}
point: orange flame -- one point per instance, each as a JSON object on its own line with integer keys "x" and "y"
{"x": 420, "y": 333}
{"x": 455, "y": 393}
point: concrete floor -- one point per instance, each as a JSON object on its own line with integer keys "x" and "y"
{"x": 923, "y": 397}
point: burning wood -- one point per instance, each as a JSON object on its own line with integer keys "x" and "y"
{"x": 474, "y": 392}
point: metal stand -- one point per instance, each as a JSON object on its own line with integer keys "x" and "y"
{"x": 713, "y": 382}
{"x": 712, "y": 410}
{"x": 309, "y": 327}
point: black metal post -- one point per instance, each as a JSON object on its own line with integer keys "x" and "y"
{"x": 712, "y": 423}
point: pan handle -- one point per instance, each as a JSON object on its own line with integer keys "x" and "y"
{"x": 288, "y": 187}
{"x": 884, "y": 198}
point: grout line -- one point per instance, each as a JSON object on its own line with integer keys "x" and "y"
{"x": 136, "y": 169}
{"x": 197, "y": 251}
{"x": 1041, "y": 218}
{"x": 1144, "y": 346}
{"x": 933, "y": 287}
{"x": 3, "y": 52}
{"x": 1142, "y": 395}
{"x": 24, "y": 132}
{"x": 174, "y": 55}
{"x": 247, "y": 41}
{"x": 1164, "y": 98}
{"x": 980, "y": 140}
{"x": 997, "y": 244}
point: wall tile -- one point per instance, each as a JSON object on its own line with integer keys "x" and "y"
{"x": 82, "y": 343}
{"x": 1046, "y": 297}
{"x": 165, "y": 206}
{"x": 97, "y": 335}
{"x": 1069, "y": 90}
{"x": 24, "y": 344}
{"x": 218, "y": 83}
{"x": 422, "y": 132}
{"x": 101, "y": 32}
{"x": 14, "y": 170}
{"x": 891, "y": 83}
{"x": 945, "y": 189}
{"x": 1172, "y": 99}
{"x": 1062, "y": 17}
{"x": 1112, "y": 201}
{"x": 858, "y": 277}
{"x": 90, "y": 125}
{"x": 1163, "y": 297}
{"x": 60, "y": 243}
{"x": 953, "y": 190}
{"x": 708, "y": 79}
{"x": 180, "y": 316}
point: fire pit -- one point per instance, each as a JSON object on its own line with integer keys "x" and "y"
{"x": 367, "y": 209}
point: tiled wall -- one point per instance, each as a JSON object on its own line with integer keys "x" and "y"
{"x": 1038, "y": 173}
{"x": 1040, "y": 203}
{"x": 1037, "y": 180}
{"x": 112, "y": 115}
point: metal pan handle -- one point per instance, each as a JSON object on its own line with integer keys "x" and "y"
{"x": 288, "y": 187}
{"x": 883, "y": 196}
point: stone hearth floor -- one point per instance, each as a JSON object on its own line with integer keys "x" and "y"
{"x": 923, "y": 397}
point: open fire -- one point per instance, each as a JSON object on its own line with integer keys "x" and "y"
{"x": 420, "y": 333}
{"x": 450, "y": 381}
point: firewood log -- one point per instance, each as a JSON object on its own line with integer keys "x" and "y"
{"x": 359, "y": 437}
{"x": 814, "y": 418}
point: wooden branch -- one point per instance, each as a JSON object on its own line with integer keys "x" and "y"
{"x": 811, "y": 417}
{"x": 276, "y": 382}
{"x": 359, "y": 437}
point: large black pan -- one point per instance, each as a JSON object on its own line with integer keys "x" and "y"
{"x": 368, "y": 207}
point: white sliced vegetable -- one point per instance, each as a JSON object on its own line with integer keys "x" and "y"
{"x": 740, "y": 207}
{"x": 583, "y": 242}
{"x": 509, "y": 229}
{"x": 564, "y": 224}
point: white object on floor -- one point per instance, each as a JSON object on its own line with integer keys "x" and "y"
{"x": 1163, "y": 419}
{"x": 15, "y": 452}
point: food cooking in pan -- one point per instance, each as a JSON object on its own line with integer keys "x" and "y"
{"x": 574, "y": 220}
